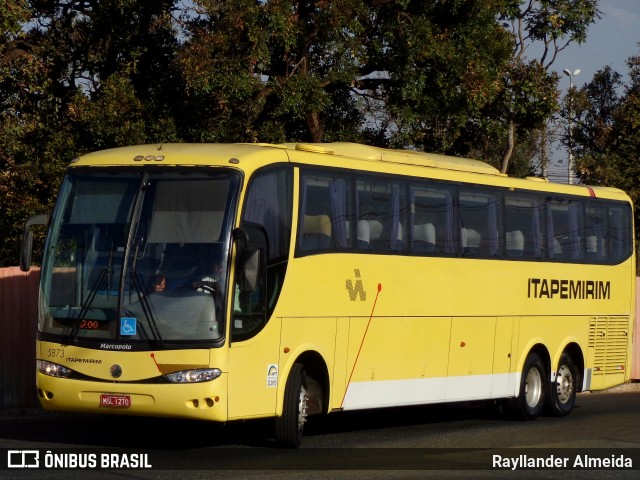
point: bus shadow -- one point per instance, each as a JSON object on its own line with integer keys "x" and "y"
{"x": 51, "y": 430}
{"x": 398, "y": 417}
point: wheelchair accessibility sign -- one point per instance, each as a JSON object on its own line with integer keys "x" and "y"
{"x": 128, "y": 326}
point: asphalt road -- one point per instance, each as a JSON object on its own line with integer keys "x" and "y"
{"x": 444, "y": 441}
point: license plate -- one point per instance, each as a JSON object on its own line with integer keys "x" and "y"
{"x": 116, "y": 401}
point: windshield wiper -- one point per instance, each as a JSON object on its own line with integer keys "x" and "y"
{"x": 137, "y": 283}
{"x": 138, "y": 286}
{"x": 105, "y": 279}
{"x": 135, "y": 279}
{"x": 100, "y": 282}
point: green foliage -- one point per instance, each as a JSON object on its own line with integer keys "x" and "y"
{"x": 445, "y": 76}
{"x": 282, "y": 70}
{"x": 606, "y": 133}
{"x": 531, "y": 96}
{"x": 530, "y": 92}
{"x": 13, "y": 13}
{"x": 112, "y": 117}
{"x": 449, "y": 58}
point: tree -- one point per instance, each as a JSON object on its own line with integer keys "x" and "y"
{"x": 606, "y": 134}
{"x": 606, "y": 138}
{"x": 74, "y": 77}
{"x": 437, "y": 76}
{"x": 319, "y": 70}
{"x": 527, "y": 99}
{"x": 593, "y": 110}
{"x": 530, "y": 93}
{"x": 108, "y": 51}
{"x": 23, "y": 85}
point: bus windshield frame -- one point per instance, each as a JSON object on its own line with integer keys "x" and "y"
{"x": 139, "y": 257}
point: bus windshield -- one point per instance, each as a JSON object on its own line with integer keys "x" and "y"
{"x": 139, "y": 257}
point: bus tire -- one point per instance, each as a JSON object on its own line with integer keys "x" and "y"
{"x": 290, "y": 426}
{"x": 531, "y": 398}
{"x": 561, "y": 396}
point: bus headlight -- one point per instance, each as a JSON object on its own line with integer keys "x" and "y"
{"x": 194, "y": 376}
{"x": 53, "y": 369}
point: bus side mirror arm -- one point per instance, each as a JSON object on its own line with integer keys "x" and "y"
{"x": 27, "y": 240}
{"x": 241, "y": 236}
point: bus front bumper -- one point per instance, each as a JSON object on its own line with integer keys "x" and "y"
{"x": 203, "y": 401}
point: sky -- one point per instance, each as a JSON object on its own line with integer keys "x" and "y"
{"x": 610, "y": 41}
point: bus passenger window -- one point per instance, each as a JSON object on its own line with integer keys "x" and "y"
{"x": 595, "y": 230}
{"x": 619, "y": 233}
{"x": 523, "y": 226}
{"x": 514, "y": 243}
{"x": 424, "y": 238}
{"x": 316, "y": 232}
{"x": 471, "y": 240}
{"x": 432, "y": 219}
{"x": 381, "y": 215}
{"x": 480, "y": 231}
{"x": 565, "y": 232}
{"x": 325, "y": 213}
{"x": 363, "y": 235}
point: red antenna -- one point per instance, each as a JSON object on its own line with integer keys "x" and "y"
{"x": 362, "y": 342}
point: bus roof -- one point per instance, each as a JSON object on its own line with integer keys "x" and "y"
{"x": 344, "y": 154}
{"x": 408, "y": 157}
{"x": 190, "y": 154}
{"x": 176, "y": 154}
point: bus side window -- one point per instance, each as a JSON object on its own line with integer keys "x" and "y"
{"x": 381, "y": 215}
{"x": 432, "y": 220}
{"x": 480, "y": 231}
{"x": 424, "y": 238}
{"x": 363, "y": 235}
{"x": 595, "y": 233}
{"x": 268, "y": 206}
{"x": 325, "y": 213}
{"x": 316, "y": 232}
{"x": 565, "y": 229}
{"x": 619, "y": 233}
{"x": 523, "y": 227}
{"x": 514, "y": 243}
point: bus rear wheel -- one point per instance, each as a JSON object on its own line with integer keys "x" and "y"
{"x": 531, "y": 397}
{"x": 561, "y": 396}
{"x": 290, "y": 426}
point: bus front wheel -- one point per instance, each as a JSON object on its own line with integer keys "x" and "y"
{"x": 289, "y": 427}
{"x": 561, "y": 396}
{"x": 530, "y": 401}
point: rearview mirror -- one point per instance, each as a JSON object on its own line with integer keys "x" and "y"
{"x": 252, "y": 245}
{"x": 250, "y": 265}
{"x": 27, "y": 240}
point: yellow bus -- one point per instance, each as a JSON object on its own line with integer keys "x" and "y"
{"x": 237, "y": 281}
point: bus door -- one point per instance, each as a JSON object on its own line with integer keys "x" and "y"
{"x": 262, "y": 251}
{"x": 255, "y": 337}
{"x": 253, "y": 369}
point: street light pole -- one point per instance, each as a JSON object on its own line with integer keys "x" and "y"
{"x": 570, "y": 74}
